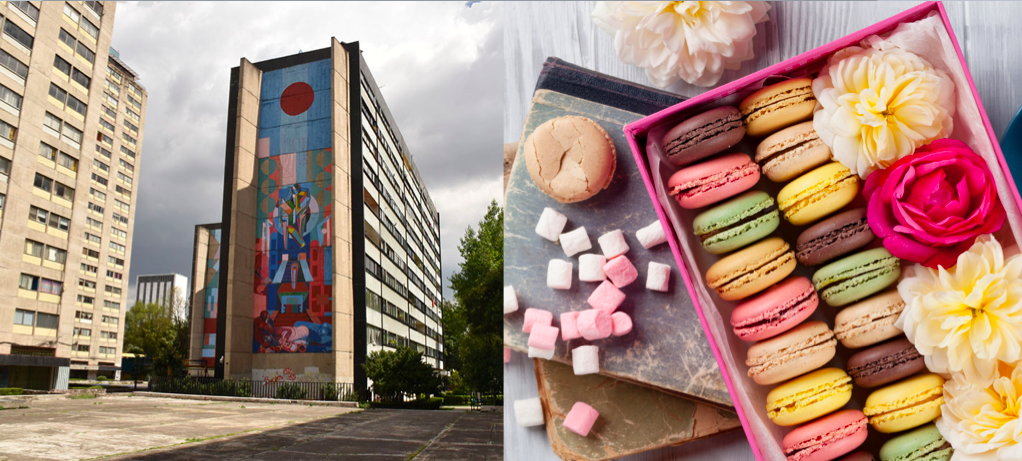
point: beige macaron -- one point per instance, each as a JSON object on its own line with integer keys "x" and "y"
{"x": 869, "y": 321}
{"x": 777, "y": 106}
{"x": 800, "y": 350}
{"x": 792, "y": 151}
{"x": 570, "y": 158}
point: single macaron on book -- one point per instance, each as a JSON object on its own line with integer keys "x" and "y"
{"x": 799, "y": 272}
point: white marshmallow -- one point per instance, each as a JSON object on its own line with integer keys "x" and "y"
{"x": 558, "y": 274}
{"x": 658, "y": 276}
{"x": 613, "y": 244}
{"x": 585, "y": 360}
{"x": 590, "y": 268}
{"x": 535, "y": 353}
{"x": 510, "y": 300}
{"x": 575, "y": 242}
{"x": 651, "y": 235}
{"x": 550, "y": 224}
{"x": 529, "y": 412}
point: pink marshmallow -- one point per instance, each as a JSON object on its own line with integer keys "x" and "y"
{"x": 580, "y": 419}
{"x": 620, "y": 271}
{"x": 622, "y": 323}
{"x": 507, "y": 355}
{"x": 569, "y": 326}
{"x": 595, "y": 324}
{"x": 536, "y": 317}
{"x": 606, "y": 297}
{"x": 543, "y": 337}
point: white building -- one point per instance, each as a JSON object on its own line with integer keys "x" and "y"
{"x": 159, "y": 289}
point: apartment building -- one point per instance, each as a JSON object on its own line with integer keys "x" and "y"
{"x": 167, "y": 289}
{"x": 323, "y": 204}
{"x": 72, "y": 116}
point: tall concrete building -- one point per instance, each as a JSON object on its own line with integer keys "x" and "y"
{"x": 204, "y": 291}
{"x": 72, "y": 116}
{"x": 166, "y": 289}
{"x": 330, "y": 242}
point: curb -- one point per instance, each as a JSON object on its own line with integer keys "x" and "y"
{"x": 217, "y": 398}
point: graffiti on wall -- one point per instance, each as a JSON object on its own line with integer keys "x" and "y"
{"x": 294, "y": 240}
{"x": 210, "y": 294}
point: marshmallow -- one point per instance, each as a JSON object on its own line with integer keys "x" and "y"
{"x": 575, "y": 242}
{"x": 657, "y": 276}
{"x": 651, "y": 235}
{"x": 569, "y": 326}
{"x": 529, "y": 412}
{"x": 550, "y": 224}
{"x": 536, "y": 317}
{"x": 606, "y": 297}
{"x": 507, "y": 355}
{"x": 545, "y": 354}
{"x": 590, "y": 268}
{"x": 622, "y": 323}
{"x": 585, "y": 360}
{"x": 613, "y": 244}
{"x": 594, "y": 324}
{"x": 510, "y": 300}
{"x": 543, "y": 337}
{"x": 558, "y": 274}
{"x": 620, "y": 271}
{"x": 580, "y": 419}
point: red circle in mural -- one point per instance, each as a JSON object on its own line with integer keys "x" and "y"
{"x": 296, "y": 98}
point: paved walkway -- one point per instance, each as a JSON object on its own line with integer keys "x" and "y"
{"x": 140, "y": 428}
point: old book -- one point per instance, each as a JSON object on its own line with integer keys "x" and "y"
{"x": 632, "y": 418}
{"x": 667, "y": 348}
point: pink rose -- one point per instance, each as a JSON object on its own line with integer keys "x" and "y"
{"x": 929, "y": 207}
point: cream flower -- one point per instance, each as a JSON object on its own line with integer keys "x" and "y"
{"x": 876, "y": 106}
{"x": 965, "y": 319}
{"x": 694, "y": 41}
{"x": 983, "y": 423}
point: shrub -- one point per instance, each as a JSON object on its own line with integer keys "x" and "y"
{"x": 328, "y": 391}
{"x": 432, "y": 403}
{"x": 493, "y": 400}
{"x": 351, "y": 397}
{"x": 11, "y": 391}
{"x": 290, "y": 391}
{"x": 453, "y": 399}
{"x": 102, "y": 378}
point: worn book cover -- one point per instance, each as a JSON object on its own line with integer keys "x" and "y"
{"x": 667, "y": 348}
{"x": 632, "y": 418}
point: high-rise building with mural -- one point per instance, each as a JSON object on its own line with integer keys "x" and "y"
{"x": 203, "y": 297}
{"x": 72, "y": 114}
{"x": 330, "y": 244}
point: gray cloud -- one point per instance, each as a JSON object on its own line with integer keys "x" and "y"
{"x": 439, "y": 66}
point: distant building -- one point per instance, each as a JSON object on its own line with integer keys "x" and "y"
{"x": 204, "y": 293}
{"x": 167, "y": 289}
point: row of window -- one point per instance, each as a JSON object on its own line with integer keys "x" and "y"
{"x": 36, "y": 319}
{"x": 58, "y": 156}
{"x": 76, "y": 75}
{"x": 43, "y": 251}
{"x": 87, "y": 333}
{"x": 77, "y": 46}
{"x": 380, "y": 337}
{"x": 56, "y": 188}
{"x": 103, "y": 350}
{"x": 40, "y": 284}
{"x": 62, "y": 128}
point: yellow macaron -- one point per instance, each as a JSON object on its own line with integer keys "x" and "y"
{"x": 809, "y": 396}
{"x": 905, "y": 404}
{"x": 818, "y": 193}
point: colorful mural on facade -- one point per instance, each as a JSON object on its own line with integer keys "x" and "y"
{"x": 294, "y": 240}
{"x": 210, "y": 294}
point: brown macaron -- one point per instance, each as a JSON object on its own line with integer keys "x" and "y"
{"x": 703, "y": 135}
{"x": 885, "y": 363}
{"x": 570, "y": 158}
{"x": 835, "y": 236}
{"x": 777, "y": 106}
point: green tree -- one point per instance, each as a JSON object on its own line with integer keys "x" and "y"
{"x": 153, "y": 330}
{"x": 478, "y": 289}
{"x": 401, "y": 371}
{"x": 454, "y": 324}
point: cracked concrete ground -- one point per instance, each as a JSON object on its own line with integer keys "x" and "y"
{"x": 140, "y": 428}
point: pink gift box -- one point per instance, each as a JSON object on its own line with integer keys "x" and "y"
{"x": 693, "y": 262}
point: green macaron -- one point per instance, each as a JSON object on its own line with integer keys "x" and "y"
{"x": 737, "y": 222}
{"x": 922, "y": 444}
{"x": 857, "y": 276}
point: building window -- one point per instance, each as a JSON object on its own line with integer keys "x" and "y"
{"x": 128, "y": 139}
{"x": 43, "y": 183}
{"x": 130, "y": 126}
{"x": 103, "y": 350}
{"x": 84, "y": 317}
{"x": 111, "y": 320}
{"x": 7, "y": 131}
{"x": 87, "y": 284}
{"x": 100, "y": 165}
{"x": 110, "y": 99}
{"x": 107, "y": 125}
{"x": 72, "y": 13}
{"x": 83, "y": 332}
{"x": 118, "y": 233}
{"x": 89, "y": 269}
{"x": 128, "y": 152}
{"x": 115, "y": 261}
{"x": 126, "y": 165}
{"x": 114, "y": 275}
{"x": 63, "y": 191}
{"x": 132, "y": 114}
{"x": 88, "y": 300}
{"x": 112, "y": 305}
{"x": 52, "y": 122}
{"x": 13, "y": 64}
{"x": 10, "y": 97}
{"x": 123, "y": 206}
{"x": 71, "y": 133}
{"x": 18, "y": 34}
{"x": 28, "y": 8}
{"x": 81, "y": 348}
{"x": 67, "y": 39}
{"x": 94, "y": 223}
{"x": 90, "y": 253}
{"x": 96, "y": 208}
{"x": 55, "y": 255}
{"x": 67, "y": 161}
{"x": 110, "y": 112}
{"x": 22, "y": 317}
{"x": 3, "y": 199}
{"x": 90, "y": 28}
{"x": 120, "y": 219}
{"x": 113, "y": 291}
{"x": 93, "y": 238}
{"x": 96, "y": 193}
{"x": 28, "y": 282}
{"x": 108, "y": 335}
{"x": 135, "y": 102}
{"x": 123, "y": 177}
{"x": 58, "y": 93}
{"x": 62, "y": 65}
{"x": 47, "y": 151}
{"x": 99, "y": 179}
{"x": 85, "y": 52}
{"x": 117, "y": 247}
{"x": 101, "y": 151}
{"x": 77, "y": 105}
{"x": 104, "y": 138}
{"x": 5, "y": 169}
{"x": 96, "y": 7}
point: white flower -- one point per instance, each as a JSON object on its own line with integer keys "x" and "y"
{"x": 983, "y": 423}
{"x": 965, "y": 319}
{"x": 876, "y": 106}
{"x": 694, "y": 41}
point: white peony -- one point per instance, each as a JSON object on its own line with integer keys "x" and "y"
{"x": 983, "y": 423}
{"x": 694, "y": 41}
{"x": 876, "y": 106}
{"x": 967, "y": 318}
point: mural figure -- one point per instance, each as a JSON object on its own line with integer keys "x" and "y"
{"x": 210, "y": 298}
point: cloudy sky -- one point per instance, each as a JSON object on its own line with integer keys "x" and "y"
{"x": 439, "y": 66}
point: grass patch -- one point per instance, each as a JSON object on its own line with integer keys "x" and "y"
{"x": 82, "y": 396}
{"x": 19, "y": 407}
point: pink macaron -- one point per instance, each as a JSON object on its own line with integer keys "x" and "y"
{"x": 776, "y": 310}
{"x": 713, "y": 180}
{"x": 826, "y": 438}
